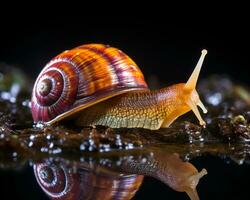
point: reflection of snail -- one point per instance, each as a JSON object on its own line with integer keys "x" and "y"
{"x": 60, "y": 182}
{"x": 97, "y": 74}
{"x": 93, "y": 181}
{"x": 170, "y": 169}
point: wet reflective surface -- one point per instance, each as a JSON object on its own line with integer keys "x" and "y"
{"x": 140, "y": 174}
{"x": 68, "y": 162}
{"x": 117, "y": 179}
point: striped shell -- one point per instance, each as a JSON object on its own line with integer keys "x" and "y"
{"x": 81, "y": 77}
{"x": 62, "y": 181}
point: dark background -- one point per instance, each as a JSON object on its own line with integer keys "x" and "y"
{"x": 163, "y": 46}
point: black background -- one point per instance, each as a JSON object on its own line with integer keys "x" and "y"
{"x": 163, "y": 46}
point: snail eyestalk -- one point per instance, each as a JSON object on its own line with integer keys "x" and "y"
{"x": 192, "y": 81}
{"x": 200, "y": 104}
{"x": 193, "y": 99}
{"x": 194, "y": 180}
{"x": 194, "y": 108}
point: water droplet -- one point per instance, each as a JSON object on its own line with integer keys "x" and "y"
{"x": 2, "y": 136}
{"x": 26, "y": 103}
{"x": 214, "y": 99}
{"x": 14, "y": 154}
{"x": 118, "y": 141}
{"x": 30, "y": 144}
{"x": 2, "y": 129}
{"x": 39, "y": 125}
{"x": 13, "y": 99}
{"x": 44, "y": 149}
{"x": 15, "y": 89}
{"x": 129, "y": 146}
{"x": 48, "y": 137}
{"x": 82, "y": 147}
{"x": 91, "y": 148}
{"x": 91, "y": 142}
{"x": 32, "y": 137}
{"x": 5, "y": 95}
{"x": 118, "y": 163}
{"x": 104, "y": 147}
{"x": 57, "y": 151}
{"x": 51, "y": 145}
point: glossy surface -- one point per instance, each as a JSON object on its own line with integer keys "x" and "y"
{"x": 118, "y": 180}
{"x": 81, "y": 77}
{"x": 83, "y": 181}
{"x": 146, "y": 109}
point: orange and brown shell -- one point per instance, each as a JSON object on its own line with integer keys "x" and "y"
{"x": 81, "y": 77}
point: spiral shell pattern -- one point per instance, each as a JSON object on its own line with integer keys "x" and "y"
{"x": 54, "y": 180}
{"x": 81, "y": 77}
{"x": 61, "y": 182}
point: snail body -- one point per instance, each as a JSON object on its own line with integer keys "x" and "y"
{"x": 145, "y": 109}
{"x": 100, "y": 85}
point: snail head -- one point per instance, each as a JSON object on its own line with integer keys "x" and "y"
{"x": 191, "y": 96}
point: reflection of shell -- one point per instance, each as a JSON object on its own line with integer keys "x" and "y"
{"x": 60, "y": 182}
{"x": 54, "y": 180}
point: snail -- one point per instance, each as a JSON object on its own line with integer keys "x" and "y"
{"x": 96, "y": 84}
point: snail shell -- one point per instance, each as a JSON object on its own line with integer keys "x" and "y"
{"x": 81, "y": 77}
{"x": 60, "y": 182}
